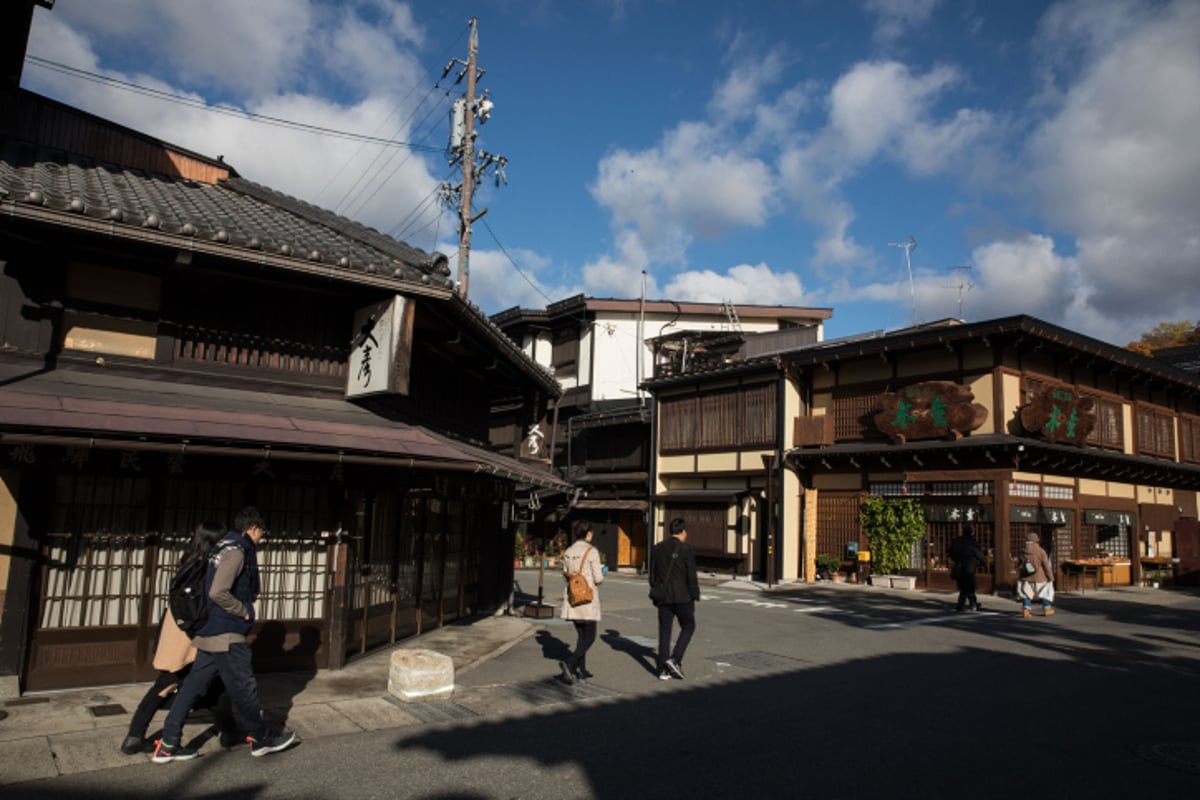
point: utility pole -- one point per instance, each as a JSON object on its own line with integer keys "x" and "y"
{"x": 462, "y": 150}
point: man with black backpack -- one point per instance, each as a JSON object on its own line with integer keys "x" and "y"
{"x": 221, "y": 649}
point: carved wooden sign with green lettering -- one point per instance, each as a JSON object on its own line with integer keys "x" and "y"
{"x": 1060, "y": 413}
{"x": 929, "y": 410}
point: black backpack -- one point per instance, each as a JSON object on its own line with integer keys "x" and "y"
{"x": 187, "y": 600}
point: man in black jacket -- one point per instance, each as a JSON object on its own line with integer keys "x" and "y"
{"x": 967, "y": 556}
{"x": 673, "y": 581}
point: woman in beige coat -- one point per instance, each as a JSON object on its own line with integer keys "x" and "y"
{"x": 583, "y": 558}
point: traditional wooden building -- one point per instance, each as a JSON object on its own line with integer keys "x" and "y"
{"x": 1012, "y": 424}
{"x": 177, "y": 342}
{"x": 598, "y": 434}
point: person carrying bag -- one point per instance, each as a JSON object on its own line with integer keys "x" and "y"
{"x": 1035, "y": 576}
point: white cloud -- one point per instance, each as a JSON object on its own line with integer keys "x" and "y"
{"x": 344, "y": 175}
{"x": 620, "y": 275}
{"x": 898, "y": 17}
{"x": 742, "y": 284}
{"x": 691, "y": 185}
{"x": 1116, "y": 166}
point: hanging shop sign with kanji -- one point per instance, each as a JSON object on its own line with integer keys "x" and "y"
{"x": 929, "y": 410}
{"x": 1060, "y": 413}
{"x": 381, "y": 349}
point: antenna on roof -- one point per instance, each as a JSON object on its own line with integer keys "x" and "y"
{"x": 909, "y": 246}
{"x": 964, "y": 285}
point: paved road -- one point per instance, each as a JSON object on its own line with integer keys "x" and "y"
{"x": 825, "y": 690}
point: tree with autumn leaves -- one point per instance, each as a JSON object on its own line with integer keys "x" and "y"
{"x": 1166, "y": 334}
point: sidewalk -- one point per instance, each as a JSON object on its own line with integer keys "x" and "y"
{"x": 56, "y": 733}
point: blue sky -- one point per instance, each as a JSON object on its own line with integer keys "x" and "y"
{"x": 759, "y": 152}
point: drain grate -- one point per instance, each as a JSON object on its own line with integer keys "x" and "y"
{"x": 550, "y": 692}
{"x": 433, "y": 710}
{"x": 109, "y": 710}
{"x": 759, "y": 661}
{"x": 1180, "y": 755}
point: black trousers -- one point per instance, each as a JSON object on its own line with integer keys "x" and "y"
{"x": 667, "y": 614}
{"x": 966, "y": 591}
{"x": 237, "y": 674}
{"x": 162, "y": 693}
{"x": 585, "y": 636}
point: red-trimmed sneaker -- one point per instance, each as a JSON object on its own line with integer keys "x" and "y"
{"x": 166, "y": 753}
{"x": 273, "y": 743}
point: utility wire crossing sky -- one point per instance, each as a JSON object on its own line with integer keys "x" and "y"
{"x": 1035, "y": 157}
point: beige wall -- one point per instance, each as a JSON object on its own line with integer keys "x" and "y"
{"x": 9, "y": 482}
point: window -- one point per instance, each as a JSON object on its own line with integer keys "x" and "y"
{"x": 111, "y": 311}
{"x": 854, "y": 416}
{"x": 741, "y": 417}
{"x": 1155, "y": 432}
{"x": 564, "y": 353}
{"x": 1109, "y": 430}
{"x": 706, "y": 525}
{"x": 1189, "y": 439}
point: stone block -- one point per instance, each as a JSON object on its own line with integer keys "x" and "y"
{"x": 417, "y": 675}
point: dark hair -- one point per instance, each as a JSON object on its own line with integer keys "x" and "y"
{"x": 968, "y": 529}
{"x": 204, "y": 538}
{"x": 677, "y": 526}
{"x": 248, "y": 518}
{"x": 580, "y": 528}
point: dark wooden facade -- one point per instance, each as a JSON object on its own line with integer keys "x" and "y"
{"x": 174, "y": 344}
{"x": 1014, "y": 425}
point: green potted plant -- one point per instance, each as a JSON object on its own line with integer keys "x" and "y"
{"x": 828, "y": 565}
{"x": 891, "y": 526}
{"x": 518, "y": 550}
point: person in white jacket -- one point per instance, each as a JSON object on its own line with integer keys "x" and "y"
{"x": 581, "y": 557}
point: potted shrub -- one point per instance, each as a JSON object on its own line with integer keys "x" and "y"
{"x": 891, "y": 525}
{"x": 828, "y": 565}
{"x": 518, "y": 550}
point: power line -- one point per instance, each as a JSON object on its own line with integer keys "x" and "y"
{"x": 265, "y": 119}
{"x": 520, "y": 271}
{"x": 392, "y": 113}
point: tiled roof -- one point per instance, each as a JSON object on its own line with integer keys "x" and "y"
{"x": 234, "y": 212}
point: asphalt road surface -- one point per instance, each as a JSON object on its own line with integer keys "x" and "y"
{"x": 824, "y": 691}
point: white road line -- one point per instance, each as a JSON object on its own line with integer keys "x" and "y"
{"x": 930, "y": 620}
{"x": 756, "y": 603}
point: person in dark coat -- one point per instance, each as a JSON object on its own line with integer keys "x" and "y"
{"x": 967, "y": 556}
{"x": 673, "y": 568}
{"x": 221, "y": 648}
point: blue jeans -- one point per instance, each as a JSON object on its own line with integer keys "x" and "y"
{"x": 237, "y": 674}
{"x": 1027, "y": 604}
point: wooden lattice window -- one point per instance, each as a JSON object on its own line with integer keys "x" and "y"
{"x": 1109, "y": 430}
{"x": 735, "y": 418}
{"x": 677, "y": 423}
{"x": 837, "y": 523}
{"x": 852, "y": 416}
{"x": 758, "y": 416}
{"x": 707, "y": 525}
{"x": 564, "y": 352}
{"x": 1189, "y": 439}
{"x": 1155, "y": 432}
